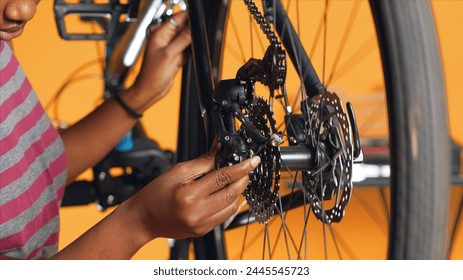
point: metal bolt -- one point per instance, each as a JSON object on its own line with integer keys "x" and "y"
{"x": 110, "y": 199}
{"x": 275, "y": 140}
{"x": 114, "y": 82}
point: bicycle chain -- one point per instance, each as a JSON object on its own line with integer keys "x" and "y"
{"x": 262, "y": 22}
{"x": 263, "y": 190}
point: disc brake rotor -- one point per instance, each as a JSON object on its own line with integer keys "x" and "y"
{"x": 329, "y": 185}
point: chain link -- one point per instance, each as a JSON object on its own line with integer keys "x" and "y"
{"x": 262, "y": 22}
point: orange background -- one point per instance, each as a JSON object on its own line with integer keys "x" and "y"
{"x": 50, "y": 61}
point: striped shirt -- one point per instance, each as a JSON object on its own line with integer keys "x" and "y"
{"x": 32, "y": 168}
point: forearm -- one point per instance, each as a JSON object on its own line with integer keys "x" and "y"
{"x": 118, "y": 236}
{"x": 90, "y": 139}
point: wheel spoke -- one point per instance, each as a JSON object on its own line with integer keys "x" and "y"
{"x": 384, "y": 199}
{"x": 371, "y": 211}
{"x": 238, "y": 40}
{"x": 366, "y": 48}
{"x": 346, "y": 33}
{"x": 286, "y": 232}
{"x": 320, "y": 28}
{"x": 333, "y": 236}
{"x": 245, "y": 237}
{"x": 304, "y": 239}
{"x": 325, "y": 38}
{"x": 345, "y": 245}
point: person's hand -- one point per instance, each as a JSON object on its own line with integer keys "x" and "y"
{"x": 190, "y": 199}
{"x": 163, "y": 57}
{"x": 187, "y": 201}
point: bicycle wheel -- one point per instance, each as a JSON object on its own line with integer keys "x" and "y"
{"x": 385, "y": 61}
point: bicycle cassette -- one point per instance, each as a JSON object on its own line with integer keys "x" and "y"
{"x": 263, "y": 190}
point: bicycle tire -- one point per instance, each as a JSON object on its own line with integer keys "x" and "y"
{"x": 418, "y": 129}
{"x": 423, "y": 234}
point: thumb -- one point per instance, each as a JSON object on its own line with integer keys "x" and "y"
{"x": 209, "y": 158}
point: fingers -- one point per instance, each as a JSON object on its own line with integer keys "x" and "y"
{"x": 179, "y": 20}
{"x": 180, "y": 43}
{"x": 218, "y": 190}
{"x": 226, "y": 176}
{"x": 174, "y": 23}
{"x": 224, "y": 214}
{"x": 219, "y": 206}
{"x": 227, "y": 196}
{"x": 172, "y": 30}
{"x": 223, "y": 204}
